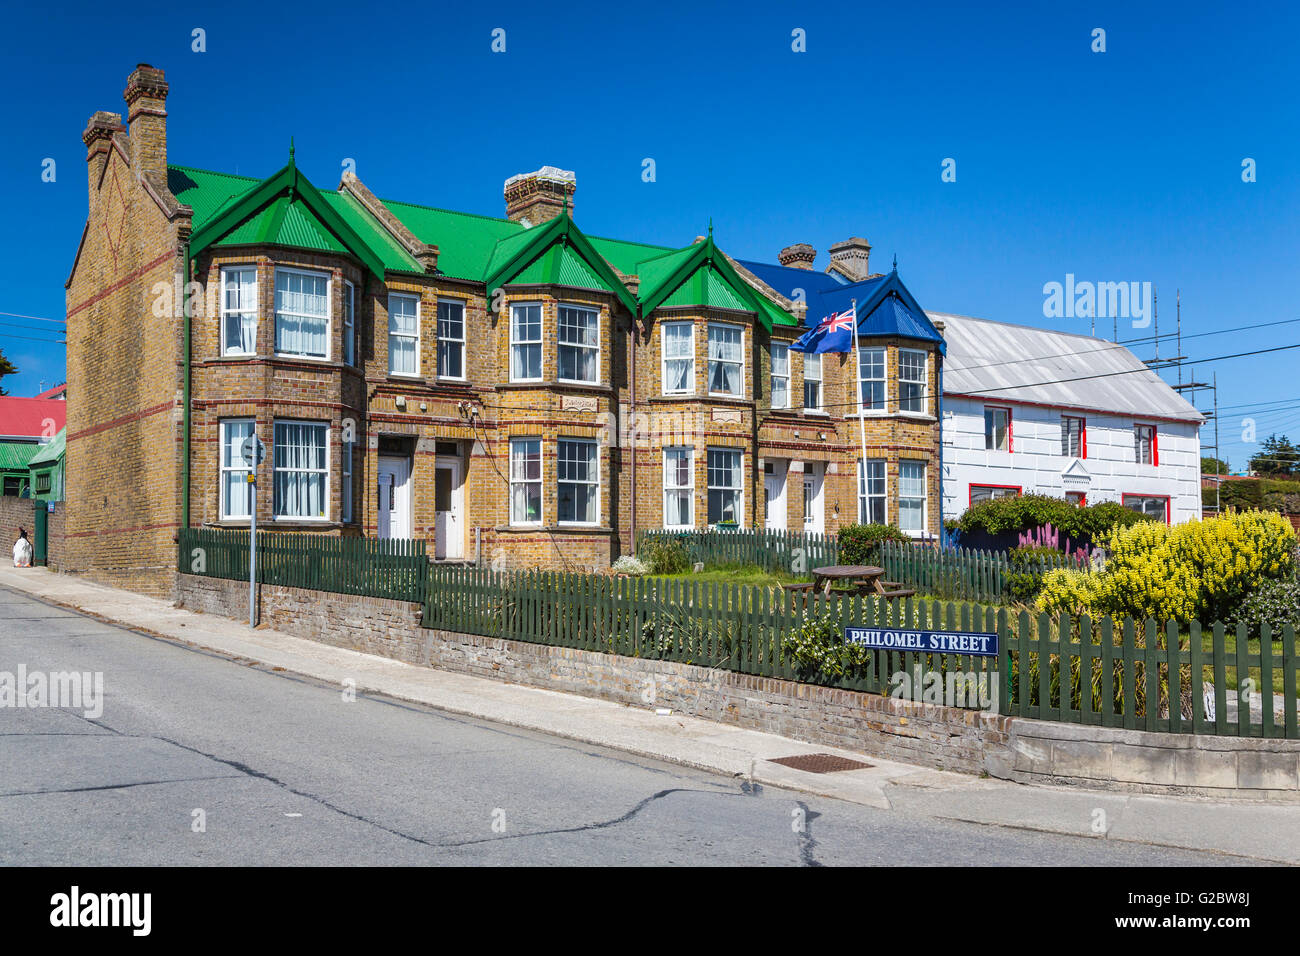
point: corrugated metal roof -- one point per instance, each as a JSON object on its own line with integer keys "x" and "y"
{"x": 465, "y": 241}
{"x": 22, "y": 417}
{"x": 17, "y": 455}
{"x": 559, "y": 265}
{"x": 51, "y": 451}
{"x": 705, "y": 287}
{"x": 993, "y": 360}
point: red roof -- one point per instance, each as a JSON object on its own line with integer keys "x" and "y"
{"x": 27, "y": 417}
{"x": 55, "y": 392}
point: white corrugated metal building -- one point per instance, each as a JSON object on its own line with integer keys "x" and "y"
{"x": 1031, "y": 410}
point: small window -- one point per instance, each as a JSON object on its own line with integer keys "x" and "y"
{"x": 911, "y": 380}
{"x": 997, "y": 428}
{"x": 301, "y": 462}
{"x": 871, "y": 378}
{"x": 678, "y": 342}
{"x": 302, "y": 313}
{"x": 236, "y": 493}
{"x": 579, "y": 344}
{"x": 345, "y": 492}
{"x": 812, "y": 382}
{"x": 871, "y": 491}
{"x": 525, "y": 343}
{"x": 780, "y": 375}
{"x": 911, "y": 496}
{"x": 724, "y": 476}
{"x": 578, "y": 474}
{"x": 349, "y": 324}
{"x": 451, "y": 339}
{"x": 1144, "y": 444}
{"x": 238, "y": 311}
{"x": 403, "y": 334}
{"x": 525, "y": 481}
{"x": 43, "y": 483}
{"x": 1076, "y": 498}
{"x": 980, "y": 493}
{"x": 1074, "y": 443}
{"x": 679, "y": 488}
{"x": 1153, "y": 506}
{"x": 726, "y": 360}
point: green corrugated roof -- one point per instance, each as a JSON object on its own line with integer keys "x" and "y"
{"x": 470, "y": 246}
{"x": 559, "y": 265}
{"x": 17, "y": 455}
{"x": 51, "y": 451}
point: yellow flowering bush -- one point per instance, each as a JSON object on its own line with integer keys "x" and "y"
{"x": 1199, "y": 570}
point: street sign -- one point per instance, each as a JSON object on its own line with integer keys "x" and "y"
{"x": 252, "y": 450}
{"x": 977, "y": 643}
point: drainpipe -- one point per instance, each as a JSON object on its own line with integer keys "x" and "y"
{"x": 632, "y": 416}
{"x": 938, "y": 404}
{"x": 185, "y": 393}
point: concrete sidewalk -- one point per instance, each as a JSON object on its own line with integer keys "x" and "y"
{"x": 1266, "y": 832}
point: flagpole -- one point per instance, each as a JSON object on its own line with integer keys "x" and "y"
{"x": 862, "y": 417}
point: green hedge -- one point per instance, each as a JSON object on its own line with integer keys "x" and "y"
{"x": 1026, "y": 512}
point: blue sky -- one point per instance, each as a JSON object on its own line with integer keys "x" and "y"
{"x": 1115, "y": 166}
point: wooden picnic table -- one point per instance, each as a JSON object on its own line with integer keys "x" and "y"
{"x": 864, "y": 577}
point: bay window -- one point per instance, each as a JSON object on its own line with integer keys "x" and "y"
{"x": 871, "y": 378}
{"x": 302, "y": 313}
{"x": 679, "y": 488}
{"x": 238, "y": 310}
{"x": 724, "y": 478}
{"x": 579, "y": 344}
{"x": 525, "y": 481}
{"x": 525, "y": 343}
{"x": 677, "y": 340}
{"x": 871, "y": 491}
{"x": 780, "y": 375}
{"x": 911, "y": 496}
{"x": 300, "y": 458}
{"x": 578, "y": 474}
{"x": 236, "y": 492}
{"x": 911, "y": 380}
{"x": 726, "y": 360}
{"x": 812, "y": 382}
{"x": 349, "y": 324}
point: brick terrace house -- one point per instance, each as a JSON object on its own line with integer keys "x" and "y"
{"x": 509, "y": 389}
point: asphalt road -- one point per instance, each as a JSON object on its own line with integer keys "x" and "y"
{"x": 285, "y": 771}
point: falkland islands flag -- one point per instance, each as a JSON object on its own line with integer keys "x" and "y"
{"x": 833, "y": 334}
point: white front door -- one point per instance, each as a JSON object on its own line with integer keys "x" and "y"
{"x": 394, "y": 501}
{"x": 449, "y": 533}
{"x": 774, "y": 484}
{"x": 814, "y": 512}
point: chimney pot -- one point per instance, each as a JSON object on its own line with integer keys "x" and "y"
{"x": 798, "y": 256}
{"x": 146, "y": 101}
{"x": 535, "y": 198}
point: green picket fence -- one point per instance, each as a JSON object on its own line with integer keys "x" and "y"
{"x": 959, "y": 574}
{"x": 1122, "y": 673}
{"x": 790, "y": 551}
{"x": 385, "y": 568}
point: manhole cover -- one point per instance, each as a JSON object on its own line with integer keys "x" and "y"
{"x": 820, "y": 763}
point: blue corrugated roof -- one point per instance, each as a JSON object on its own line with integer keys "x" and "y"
{"x": 893, "y": 317}
{"x": 785, "y": 280}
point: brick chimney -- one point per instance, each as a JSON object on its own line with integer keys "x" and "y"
{"x": 146, "y": 103}
{"x": 798, "y": 256}
{"x": 98, "y": 137}
{"x": 535, "y": 198}
{"x": 850, "y": 258}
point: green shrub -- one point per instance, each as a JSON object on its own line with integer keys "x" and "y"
{"x": 1029, "y": 564}
{"x": 665, "y": 555}
{"x": 1026, "y": 512}
{"x": 817, "y": 650}
{"x": 1274, "y": 603}
{"x": 860, "y": 543}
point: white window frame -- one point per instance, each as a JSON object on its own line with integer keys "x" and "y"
{"x": 530, "y": 343}
{"x": 816, "y": 359}
{"x": 404, "y": 335}
{"x": 451, "y": 340}
{"x": 741, "y": 362}
{"x": 350, "y": 324}
{"x": 1006, "y": 411}
{"x": 224, "y": 469}
{"x": 773, "y": 349}
{"x": 593, "y": 481}
{"x": 561, "y": 344}
{"x": 924, "y": 497}
{"x": 883, "y": 379}
{"x": 923, "y": 382}
{"x": 865, "y": 496}
{"x": 345, "y": 486}
{"x": 225, "y": 313}
{"x": 665, "y": 358}
{"x": 671, "y": 491}
{"x": 329, "y": 313}
{"x": 515, "y": 480}
{"x": 324, "y": 472}
{"x": 739, "y": 489}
